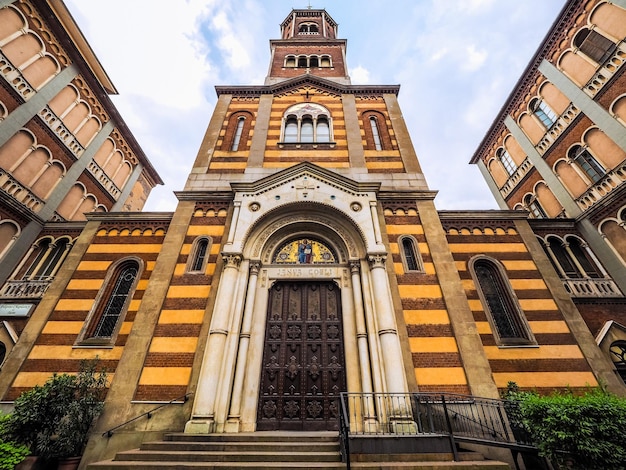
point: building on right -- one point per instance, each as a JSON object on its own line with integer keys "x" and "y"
{"x": 557, "y": 149}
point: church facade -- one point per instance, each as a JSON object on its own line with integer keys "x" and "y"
{"x": 305, "y": 258}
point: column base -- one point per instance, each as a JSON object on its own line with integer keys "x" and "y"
{"x": 200, "y": 426}
{"x": 233, "y": 424}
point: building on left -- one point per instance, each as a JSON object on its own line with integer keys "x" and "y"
{"x": 64, "y": 151}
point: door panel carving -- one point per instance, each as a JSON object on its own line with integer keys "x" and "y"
{"x": 303, "y": 361}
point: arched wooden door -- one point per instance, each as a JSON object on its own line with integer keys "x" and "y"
{"x": 303, "y": 360}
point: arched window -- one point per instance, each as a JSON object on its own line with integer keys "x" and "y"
{"x": 533, "y": 206}
{"x": 563, "y": 258}
{"x": 291, "y": 130}
{"x": 506, "y": 317}
{"x": 314, "y": 61}
{"x": 290, "y": 61}
{"x": 545, "y": 114}
{"x": 303, "y": 61}
{"x": 594, "y": 45}
{"x": 112, "y": 303}
{"x": 199, "y": 255}
{"x": 375, "y": 134}
{"x": 48, "y": 259}
{"x": 238, "y": 132}
{"x": 326, "y": 61}
{"x": 307, "y": 123}
{"x": 618, "y": 356}
{"x": 583, "y": 258}
{"x": 411, "y": 258}
{"x": 583, "y": 158}
{"x": 376, "y": 131}
{"x": 506, "y": 160}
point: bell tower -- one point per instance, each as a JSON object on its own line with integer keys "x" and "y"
{"x": 308, "y": 45}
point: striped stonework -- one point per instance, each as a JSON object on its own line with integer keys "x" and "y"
{"x": 57, "y": 349}
{"x": 555, "y": 361}
{"x": 167, "y": 369}
{"x": 436, "y": 359}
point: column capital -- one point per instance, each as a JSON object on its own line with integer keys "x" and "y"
{"x": 355, "y": 266}
{"x": 231, "y": 260}
{"x": 255, "y": 267}
{"x": 378, "y": 260}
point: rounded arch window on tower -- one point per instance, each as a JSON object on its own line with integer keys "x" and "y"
{"x": 307, "y": 123}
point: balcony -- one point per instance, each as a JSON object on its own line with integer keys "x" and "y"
{"x": 515, "y": 178}
{"x": 63, "y": 133}
{"x": 20, "y": 193}
{"x": 106, "y": 182}
{"x": 608, "y": 69}
{"x": 591, "y": 287}
{"x": 561, "y": 124}
{"x": 15, "y": 78}
{"x": 32, "y": 289}
{"x": 609, "y": 182}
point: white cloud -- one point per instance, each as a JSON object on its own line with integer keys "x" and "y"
{"x": 475, "y": 58}
{"x": 359, "y": 75}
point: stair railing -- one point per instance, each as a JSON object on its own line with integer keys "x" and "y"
{"x": 148, "y": 414}
{"x": 344, "y": 430}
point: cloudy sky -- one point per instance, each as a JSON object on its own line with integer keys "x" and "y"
{"x": 456, "y": 62}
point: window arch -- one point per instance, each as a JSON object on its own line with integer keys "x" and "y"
{"x": 533, "y": 206}
{"x": 307, "y": 123}
{"x": 563, "y": 258}
{"x": 506, "y": 160}
{"x": 544, "y": 113}
{"x": 308, "y": 28}
{"x": 199, "y": 255}
{"x": 290, "y": 61}
{"x": 50, "y": 255}
{"x": 376, "y": 131}
{"x": 237, "y": 132}
{"x": 503, "y": 311}
{"x": 582, "y": 256}
{"x": 618, "y": 356}
{"x": 594, "y": 45}
{"x": 587, "y": 162}
{"x": 112, "y": 303}
{"x": 411, "y": 259}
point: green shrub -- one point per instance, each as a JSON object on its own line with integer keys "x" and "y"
{"x": 584, "y": 432}
{"x": 54, "y": 419}
{"x": 10, "y": 453}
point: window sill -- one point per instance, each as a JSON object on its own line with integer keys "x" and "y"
{"x": 307, "y": 145}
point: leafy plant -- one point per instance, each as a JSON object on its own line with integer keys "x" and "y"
{"x": 582, "y": 432}
{"x": 11, "y": 454}
{"x": 54, "y": 419}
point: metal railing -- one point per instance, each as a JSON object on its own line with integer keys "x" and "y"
{"x": 148, "y": 414}
{"x": 461, "y": 418}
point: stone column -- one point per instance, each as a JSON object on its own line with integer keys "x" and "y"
{"x": 387, "y": 331}
{"x": 233, "y": 423}
{"x": 369, "y": 414}
{"x": 203, "y": 415}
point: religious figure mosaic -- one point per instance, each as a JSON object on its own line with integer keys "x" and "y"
{"x": 304, "y": 251}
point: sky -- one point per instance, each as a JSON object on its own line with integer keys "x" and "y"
{"x": 456, "y": 61}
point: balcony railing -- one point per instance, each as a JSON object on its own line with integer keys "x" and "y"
{"x": 608, "y": 69}
{"x": 106, "y": 182}
{"x": 601, "y": 188}
{"x": 591, "y": 287}
{"x": 25, "y": 289}
{"x": 20, "y": 193}
{"x": 561, "y": 124}
{"x": 516, "y": 177}
{"x": 15, "y": 78}
{"x": 63, "y": 133}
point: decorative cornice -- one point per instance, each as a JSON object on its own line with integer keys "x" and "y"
{"x": 130, "y": 216}
{"x": 307, "y": 79}
{"x": 204, "y": 195}
{"x": 483, "y": 215}
{"x": 562, "y": 23}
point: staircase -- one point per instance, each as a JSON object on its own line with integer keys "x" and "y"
{"x": 277, "y": 451}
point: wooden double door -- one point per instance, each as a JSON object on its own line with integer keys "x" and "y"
{"x": 303, "y": 359}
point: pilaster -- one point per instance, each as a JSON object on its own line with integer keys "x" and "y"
{"x": 493, "y": 187}
{"x": 259, "y": 137}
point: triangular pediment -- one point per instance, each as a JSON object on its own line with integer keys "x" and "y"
{"x": 301, "y": 171}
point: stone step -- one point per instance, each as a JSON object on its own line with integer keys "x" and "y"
{"x": 241, "y": 446}
{"x": 477, "y": 465}
{"x": 203, "y": 456}
{"x": 260, "y": 436}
